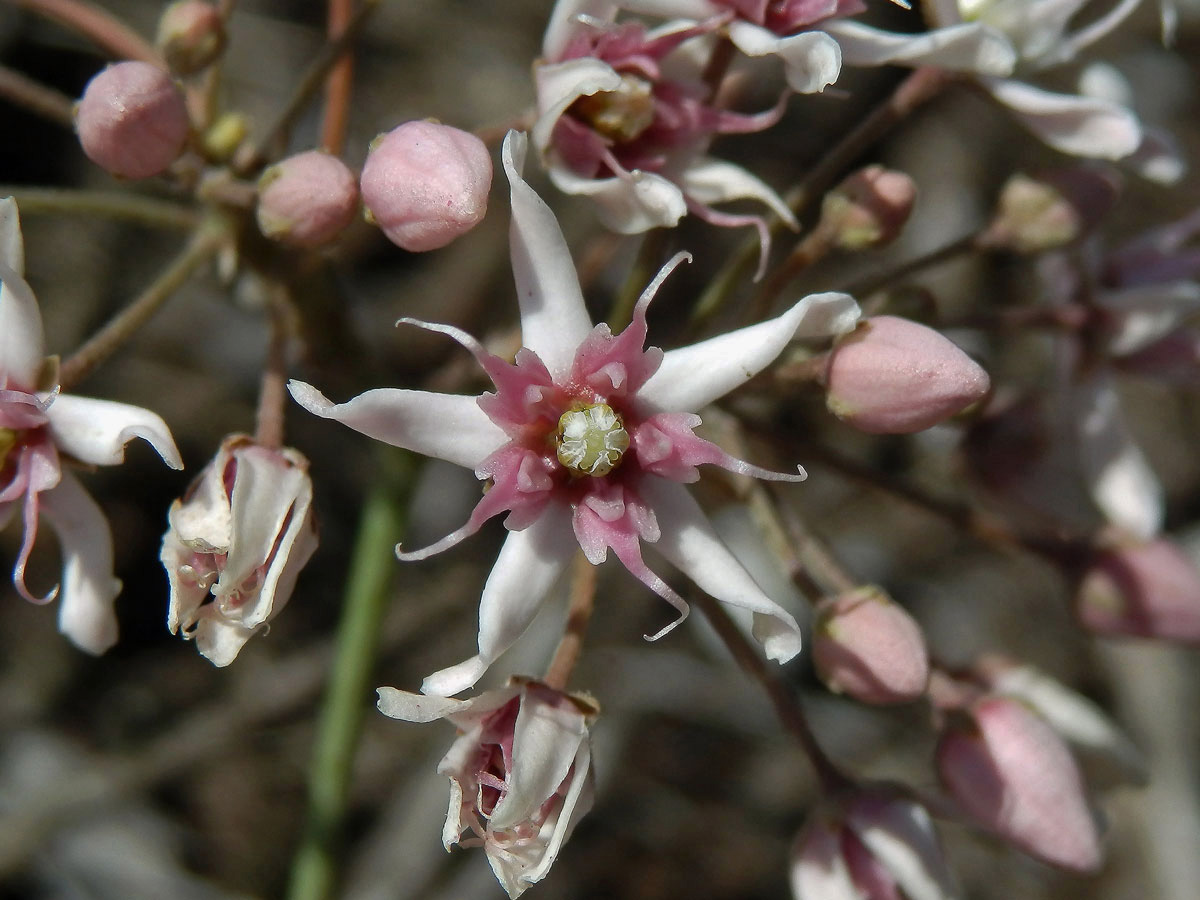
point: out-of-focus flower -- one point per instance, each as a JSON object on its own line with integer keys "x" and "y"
{"x": 1050, "y": 210}
{"x": 1011, "y": 772}
{"x": 426, "y": 184}
{"x": 620, "y": 123}
{"x": 191, "y": 35}
{"x": 132, "y": 120}
{"x": 868, "y": 646}
{"x": 39, "y": 430}
{"x": 307, "y": 199}
{"x": 873, "y": 844}
{"x": 868, "y": 209}
{"x": 586, "y": 439}
{"x": 894, "y": 376}
{"x": 520, "y": 771}
{"x": 236, "y": 543}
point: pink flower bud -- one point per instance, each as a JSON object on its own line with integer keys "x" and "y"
{"x": 1142, "y": 590}
{"x": 1054, "y": 209}
{"x": 425, "y": 184}
{"x": 868, "y": 209}
{"x": 893, "y": 376}
{"x": 1010, "y": 771}
{"x": 132, "y": 120}
{"x": 869, "y": 647}
{"x": 307, "y": 199}
{"x": 191, "y": 35}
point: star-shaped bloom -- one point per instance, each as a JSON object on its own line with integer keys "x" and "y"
{"x": 586, "y": 439}
{"x": 39, "y": 429}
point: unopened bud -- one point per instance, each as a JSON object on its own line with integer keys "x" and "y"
{"x": 868, "y": 209}
{"x": 307, "y": 199}
{"x": 425, "y": 184}
{"x": 191, "y": 35}
{"x": 132, "y": 120}
{"x": 1011, "y": 772}
{"x": 1052, "y": 210}
{"x": 1142, "y": 590}
{"x": 893, "y": 376}
{"x": 869, "y": 647}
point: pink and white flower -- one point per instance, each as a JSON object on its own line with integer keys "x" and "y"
{"x": 39, "y": 430}
{"x": 241, "y": 534}
{"x": 586, "y": 440}
{"x": 520, "y": 772}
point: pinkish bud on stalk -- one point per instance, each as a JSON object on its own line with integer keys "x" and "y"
{"x": 132, "y": 120}
{"x": 869, "y": 647}
{"x": 306, "y": 200}
{"x": 191, "y": 36}
{"x": 893, "y": 376}
{"x": 1011, "y": 772}
{"x": 1054, "y": 209}
{"x": 1142, "y": 590}
{"x": 868, "y": 209}
{"x": 425, "y": 184}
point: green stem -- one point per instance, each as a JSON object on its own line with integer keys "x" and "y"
{"x": 110, "y": 204}
{"x": 368, "y": 589}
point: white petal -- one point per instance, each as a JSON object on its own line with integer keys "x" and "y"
{"x": 1148, "y": 312}
{"x": 545, "y": 743}
{"x": 561, "y": 84}
{"x": 554, "y": 320}
{"x": 902, "y": 838}
{"x": 417, "y": 707}
{"x": 818, "y": 868}
{"x": 220, "y": 640}
{"x": 716, "y": 181}
{"x": 812, "y": 60}
{"x": 1079, "y": 126}
{"x": 12, "y": 243}
{"x": 627, "y": 204}
{"x": 85, "y": 612}
{"x": 1158, "y": 158}
{"x": 96, "y": 431}
{"x": 1121, "y": 482}
{"x": 674, "y": 9}
{"x": 563, "y": 22}
{"x": 969, "y": 47}
{"x": 692, "y": 377}
{"x": 576, "y": 802}
{"x": 528, "y": 565}
{"x": 22, "y": 343}
{"x": 447, "y": 426}
{"x": 186, "y": 595}
{"x": 689, "y": 541}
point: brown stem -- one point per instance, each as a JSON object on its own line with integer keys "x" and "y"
{"x": 339, "y": 82}
{"x": 148, "y": 211}
{"x": 579, "y": 613}
{"x": 37, "y": 98}
{"x": 814, "y": 247}
{"x": 272, "y": 394}
{"x": 98, "y": 25}
{"x": 813, "y": 554}
{"x": 123, "y": 325}
{"x": 783, "y": 699}
{"x": 869, "y": 284}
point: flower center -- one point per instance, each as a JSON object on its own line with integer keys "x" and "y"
{"x": 619, "y": 115}
{"x": 591, "y": 440}
{"x": 8, "y": 439}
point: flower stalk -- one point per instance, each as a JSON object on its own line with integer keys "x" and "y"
{"x": 579, "y": 614}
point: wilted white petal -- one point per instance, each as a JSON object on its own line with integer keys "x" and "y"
{"x": 900, "y": 836}
{"x": 12, "y": 242}
{"x": 418, "y": 707}
{"x": 447, "y": 426}
{"x": 812, "y": 60}
{"x": 630, "y": 203}
{"x": 689, "y": 541}
{"x": 1080, "y": 126}
{"x": 712, "y": 181}
{"x": 85, "y": 612}
{"x": 96, "y": 431}
{"x": 554, "y": 320}
{"x": 692, "y": 377}
{"x": 1120, "y": 480}
{"x": 220, "y": 640}
{"x": 528, "y": 565}
{"x": 22, "y": 343}
{"x": 563, "y": 22}
{"x": 561, "y": 84}
{"x": 969, "y": 47}
{"x": 1148, "y": 312}
{"x": 818, "y": 868}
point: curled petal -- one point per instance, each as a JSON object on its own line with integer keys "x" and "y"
{"x": 96, "y": 431}
{"x": 968, "y": 47}
{"x": 812, "y": 60}
{"x": 85, "y": 612}
{"x": 692, "y": 377}
{"x": 447, "y": 426}
{"x": 22, "y": 343}
{"x": 689, "y": 541}
{"x": 564, "y": 22}
{"x": 561, "y": 84}
{"x": 1079, "y": 126}
{"x": 529, "y": 563}
{"x": 629, "y": 203}
{"x": 554, "y": 320}
{"x": 711, "y": 181}
{"x": 666, "y": 446}
{"x": 418, "y": 707}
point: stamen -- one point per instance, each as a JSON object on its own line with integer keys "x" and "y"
{"x": 591, "y": 440}
{"x": 619, "y": 115}
{"x": 8, "y": 439}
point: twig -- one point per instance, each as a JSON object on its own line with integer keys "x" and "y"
{"x": 121, "y": 327}
{"x": 110, "y": 204}
{"x": 98, "y": 25}
{"x": 869, "y": 284}
{"x": 339, "y": 82}
{"x": 579, "y": 613}
{"x": 272, "y": 393}
{"x": 36, "y": 97}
